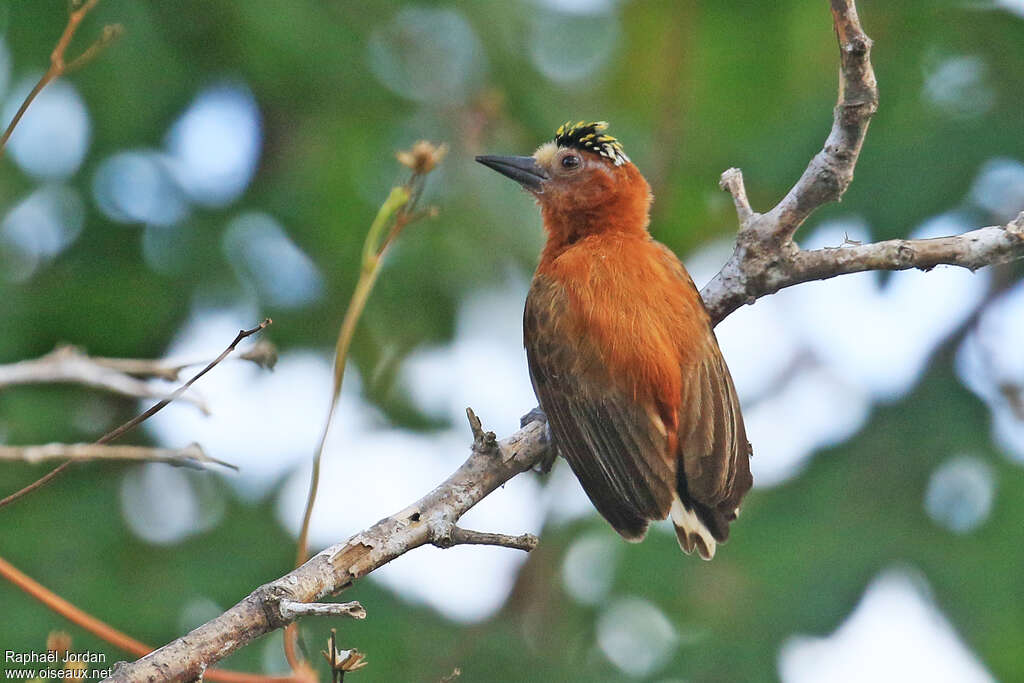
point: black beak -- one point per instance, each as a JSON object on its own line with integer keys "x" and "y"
{"x": 523, "y": 170}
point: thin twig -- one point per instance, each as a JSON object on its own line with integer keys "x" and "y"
{"x": 191, "y": 456}
{"x": 139, "y": 419}
{"x": 263, "y": 353}
{"x": 59, "y": 65}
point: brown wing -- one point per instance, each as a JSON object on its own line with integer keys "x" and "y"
{"x": 612, "y": 443}
{"x": 713, "y": 448}
{"x": 715, "y": 455}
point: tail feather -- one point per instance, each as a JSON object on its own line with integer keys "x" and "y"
{"x": 691, "y": 531}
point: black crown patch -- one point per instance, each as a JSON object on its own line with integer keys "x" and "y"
{"x": 591, "y": 136}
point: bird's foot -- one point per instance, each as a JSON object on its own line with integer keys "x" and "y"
{"x": 545, "y": 464}
{"x": 535, "y": 415}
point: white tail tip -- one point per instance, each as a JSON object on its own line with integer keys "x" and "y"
{"x": 691, "y": 532}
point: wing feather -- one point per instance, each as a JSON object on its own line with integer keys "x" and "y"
{"x": 612, "y": 443}
{"x": 715, "y": 472}
{"x": 713, "y": 449}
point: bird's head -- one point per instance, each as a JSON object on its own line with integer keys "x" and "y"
{"x": 582, "y": 177}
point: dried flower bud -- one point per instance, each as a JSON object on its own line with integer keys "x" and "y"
{"x": 263, "y": 353}
{"x": 423, "y": 156}
{"x": 352, "y": 660}
{"x": 344, "y": 660}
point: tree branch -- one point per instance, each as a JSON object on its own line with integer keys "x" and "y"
{"x": 751, "y": 274}
{"x": 69, "y": 365}
{"x": 491, "y": 464}
{"x": 131, "y": 424}
{"x": 191, "y": 456}
{"x": 765, "y": 260}
{"x": 122, "y": 376}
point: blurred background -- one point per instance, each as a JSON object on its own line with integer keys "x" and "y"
{"x": 221, "y": 163}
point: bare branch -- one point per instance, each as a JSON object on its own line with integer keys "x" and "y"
{"x": 122, "y": 376}
{"x": 749, "y": 275}
{"x": 69, "y": 365}
{"x": 766, "y": 259}
{"x": 831, "y": 170}
{"x": 290, "y": 609}
{"x": 263, "y": 353}
{"x": 191, "y": 456}
{"x": 489, "y": 466}
{"x": 138, "y": 419}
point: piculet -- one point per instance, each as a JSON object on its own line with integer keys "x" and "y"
{"x": 621, "y": 351}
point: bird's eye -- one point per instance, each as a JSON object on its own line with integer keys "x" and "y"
{"x": 570, "y": 162}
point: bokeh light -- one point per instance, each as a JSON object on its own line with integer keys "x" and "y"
{"x": 265, "y": 258}
{"x": 53, "y": 136}
{"x": 137, "y": 187}
{"x": 589, "y": 566}
{"x": 571, "y": 47}
{"x": 960, "y": 494}
{"x": 215, "y": 145}
{"x": 958, "y": 86}
{"x": 428, "y": 55}
{"x": 38, "y": 228}
{"x": 896, "y": 633}
{"x": 636, "y": 636}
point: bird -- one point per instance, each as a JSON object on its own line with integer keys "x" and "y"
{"x": 621, "y": 350}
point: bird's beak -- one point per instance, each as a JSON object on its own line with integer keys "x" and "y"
{"x": 523, "y": 170}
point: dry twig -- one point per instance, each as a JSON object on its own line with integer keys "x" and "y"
{"x": 59, "y": 65}
{"x": 69, "y": 365}
{"x": 291, "y": 609}
{"x": 138, "y": 419}
{"x": 122, "y": 376}
{"x": 191, "y": 456}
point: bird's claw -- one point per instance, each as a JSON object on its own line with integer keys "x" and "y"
{"x": 535, "y": 415}
{"x": 545, "y": 464}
